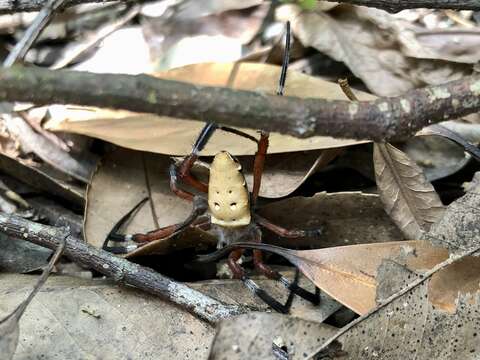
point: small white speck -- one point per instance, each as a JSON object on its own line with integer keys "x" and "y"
{"x": 25, "y": 235}
{"x": 405, "y": 105}
{"x": 383, "y": 106}
{"x": 105, "y": 266}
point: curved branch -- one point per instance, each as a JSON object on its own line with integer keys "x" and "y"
{"x": 399, "y": 5}
{"x": 118, "y": 269}
{"x": 389, "y": 119}
{"x": 9, "y": 7}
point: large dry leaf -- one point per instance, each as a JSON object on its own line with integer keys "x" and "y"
{"x": 123, "y": 172}
{"x": 409, "y": 199}
{"x": 345, "y": 218}
{"x": 453, "y": 44}
{"x": 251, "y": 336}
{"x": 119, "y": 184}
{"x": 93, "y": 319}
{"x": 9, "y": 325}
{"x": 349, "y": 274}
{"x": 411, "y": 327}
{"x": 369, "y": 42}
{"x": 175, "y": 137}
{"x": 458, "y": 229}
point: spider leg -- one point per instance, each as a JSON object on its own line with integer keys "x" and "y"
{"x": 239, "y": 273}
{"x": 286, "y": 233}
{"x": 183, "y": 170}
{"x": 268, "y": 299}
{"x": 197, "y": 216}
{"x": 314, "y": 298}
{"x": 258, "y": 165}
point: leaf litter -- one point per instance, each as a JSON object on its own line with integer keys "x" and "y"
{"x": 401, "y": 55}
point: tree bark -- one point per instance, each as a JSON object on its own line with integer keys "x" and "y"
{"x": 385, "y": 119}
{"x": 120, "y": 270}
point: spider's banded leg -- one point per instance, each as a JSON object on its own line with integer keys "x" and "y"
{"x": 183, "y": 171}
{"x": 314, "y": 298}
{"x": 175, "y": 189}
{"x": 268, "y": 299}
{"x": 197, "y": 216}
{"x": 114, "y": 234}
{"x": 286, "y": 233}
{"x": 239, "y": 273}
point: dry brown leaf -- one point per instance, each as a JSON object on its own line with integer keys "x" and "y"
{"x": 119, "y": 184}
{"x": 93, "y": 319}
{"x": 453, "y": 44}
{"x": 284, "y": 173}
{"x": 411, "y": 327}
{"x": 352, "y": 34}
{"x": 166, "y": 135}
{"x": 346, "y": 218}
{"x": 458, "y": 229}
{"x": 349, "y": 273}
{"x": 409, "y": 199}
{"x": 251, "y": 336}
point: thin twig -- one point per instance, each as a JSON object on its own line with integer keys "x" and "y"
{"x": 120, "y": 270}
{"x": 33, "y": 32}
{"x": 46, "y": 272}
{"x": 396, "y": 6}
{"x": 452, "y": 259}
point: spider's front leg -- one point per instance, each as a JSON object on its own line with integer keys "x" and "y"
{"x": 130, "y": 242}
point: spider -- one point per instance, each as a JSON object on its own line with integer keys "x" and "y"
{"x": 228, "y": 210}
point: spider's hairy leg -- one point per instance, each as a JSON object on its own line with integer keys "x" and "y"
{"x": 183, "y": 170}
{"x": 314, "y": 298}
{"x": 239, "y": 273}
{"x": 287, "y": 233}
{"x": 132, "y": 241}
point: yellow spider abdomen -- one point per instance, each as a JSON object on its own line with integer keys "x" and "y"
{"x": 228, "y": 197}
